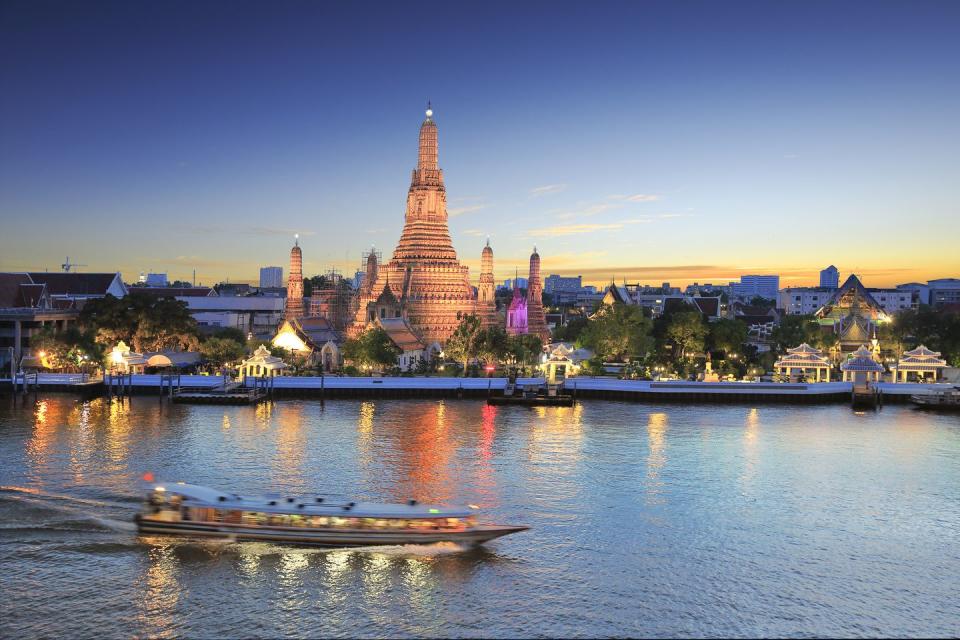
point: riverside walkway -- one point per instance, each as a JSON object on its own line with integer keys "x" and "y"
{"x": 581, "y": 387}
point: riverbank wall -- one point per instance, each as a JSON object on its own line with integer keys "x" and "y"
{"x": 332, "y": 387}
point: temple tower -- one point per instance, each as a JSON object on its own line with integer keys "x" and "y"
{"x": 295, "y": 282}
{"x": 431, "y": 286}
{"x": 486, "y": 292}
{"x": 536, "y": 320}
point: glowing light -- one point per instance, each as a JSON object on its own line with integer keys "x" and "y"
{"x": 42, "y": 354}
{"x": 434, "y": 510}
{"x": 148, "y": 476}
{"x": 473, "y": 506}
{"x": 159, "y": 488}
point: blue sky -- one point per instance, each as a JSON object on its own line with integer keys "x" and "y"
{"x": 651, "y": 141}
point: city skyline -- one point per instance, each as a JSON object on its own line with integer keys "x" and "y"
{"x": 648, "y": 148}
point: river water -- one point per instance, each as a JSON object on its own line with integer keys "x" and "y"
{"x": 646, "y": 520}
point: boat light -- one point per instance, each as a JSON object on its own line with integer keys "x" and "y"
{"x": 434, "y": 510}
{"x": 159, "y": 489}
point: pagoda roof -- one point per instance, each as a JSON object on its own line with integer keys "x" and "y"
{"x": 805, "y": 348}
{"x": 852, "y": 283}
{"x": 803, "y": 356}
{"x": 861, "y": 360}
{"x": 922, "y": 352}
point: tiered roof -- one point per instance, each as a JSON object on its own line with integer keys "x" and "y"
{"x": 862, "y": 360}
{"x": 803, "y": 357}
{"x": 921, "y": 359}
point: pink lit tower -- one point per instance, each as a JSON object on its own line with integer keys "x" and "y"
{"x": 536, "y": 320}
{"x": 295, "y": 282}
{"x": 486, "y": 294}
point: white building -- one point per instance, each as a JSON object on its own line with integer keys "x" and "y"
{"x": 807, "y": 300}
{"x": 935, "y": 293}
{"x": 258, "y": 315}
{"x": 271, "y": 277}
{"x": 750, "y": 286}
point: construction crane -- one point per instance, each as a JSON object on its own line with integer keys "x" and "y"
{"x": 67, "y": 266}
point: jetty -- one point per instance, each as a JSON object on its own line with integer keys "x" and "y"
{"x": 580, "y": 388}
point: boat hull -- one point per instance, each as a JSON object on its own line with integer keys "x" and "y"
{"x": 346, "y": 538}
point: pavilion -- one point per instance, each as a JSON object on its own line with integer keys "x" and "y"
{"x": 803, "y": 359}
{"x": 861, "y": 367}
{"x": 262, "y": 364}
{"x": 919, "y": 361}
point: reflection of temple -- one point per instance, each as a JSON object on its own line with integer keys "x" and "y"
{"x": 852, "y": 313}
{"x": 430, "y": 286}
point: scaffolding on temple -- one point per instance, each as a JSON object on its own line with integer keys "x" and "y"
{"x": 333, "y": 298}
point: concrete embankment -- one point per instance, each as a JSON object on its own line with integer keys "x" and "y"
{"x": 421, "y": 387}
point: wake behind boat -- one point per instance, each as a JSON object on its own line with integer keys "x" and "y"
{"x": 196, "y": 511}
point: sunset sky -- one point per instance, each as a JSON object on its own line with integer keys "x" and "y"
{"x": 649, "y": 141}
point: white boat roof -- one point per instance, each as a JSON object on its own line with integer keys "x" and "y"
{"x": 200, "y": 496}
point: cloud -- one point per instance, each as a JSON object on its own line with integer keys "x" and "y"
{"x": 547, "y": 189}
{"x": 572, "y": 229}
{"x": 588, "y": 211}
{"x": 252, "y": 231}
{"x": 473, "y": 233}
{"x": 459, "y": 211}
{"x": 637, "y": 197}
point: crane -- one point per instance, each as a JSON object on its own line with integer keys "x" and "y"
{"x": 67, "y": 265}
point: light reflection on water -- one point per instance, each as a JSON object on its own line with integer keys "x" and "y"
{"x": 647, "y": 520}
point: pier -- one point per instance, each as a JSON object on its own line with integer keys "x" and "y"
{"x": 196, "y": 388}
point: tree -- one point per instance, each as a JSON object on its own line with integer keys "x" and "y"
{"x": 148, "y": 322}
{"x": 492, "y": 345}
{"x": 687, "y": 331}
{"x": 221, "y": 351}
{"x": 727, "y": 335}
{"x": 524, "y": 348}
{"x": 372, "y": 348}
{"x": 794, "y": 330}
{"x": 571, "y": 331}
{"x": 465, "y": 342}
{"x": 617, "y": 333}
{"x": 67, "y": 349}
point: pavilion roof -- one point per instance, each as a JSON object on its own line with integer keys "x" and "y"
{"x": 861, "y": 360}
{"x": 401, "y": 333}
{"x": 922, "y": 352}
{"x": 804, "y": 348}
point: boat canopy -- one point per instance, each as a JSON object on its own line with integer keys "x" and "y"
{"x": 198, "y": 496}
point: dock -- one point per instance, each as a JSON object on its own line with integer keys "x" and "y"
{"x": 335, "y": 387}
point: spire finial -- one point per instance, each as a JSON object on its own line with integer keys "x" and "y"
{"x": 488, "y": 241}
{"x": 296, "y": 239}
{"x": 429, "y": 109}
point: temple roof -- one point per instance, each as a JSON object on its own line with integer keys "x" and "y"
{"x": 401, "y": 333}
{"x": 861, "y": 360}
{"x": 862, "y": 298}
{"x": 805, "y": 348}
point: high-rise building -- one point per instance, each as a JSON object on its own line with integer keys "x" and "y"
{"x": 432, "y": 289}
{"x": 756, "y": 285}
{"x": 157, "y": 280}
{"x": 271, "y": 277}
{"x": 830, "y": 278}
{"x": 536, "y": 320}
{"x": 554, "y": 283}
{"x": 295, "y": 282}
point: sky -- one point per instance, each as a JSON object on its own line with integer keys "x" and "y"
{"x": 641, "y": 141}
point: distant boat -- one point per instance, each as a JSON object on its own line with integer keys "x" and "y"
{"x": 938, "y": 398}
{"x": 196, "y": 511}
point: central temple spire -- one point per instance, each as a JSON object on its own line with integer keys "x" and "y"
{"x": 428, "y": 169}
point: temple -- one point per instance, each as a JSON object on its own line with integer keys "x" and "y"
{"x": 486, "y": 308}
{"x": 431, "y": 289}
{"x": 295, "y": 283}
{"x": 517, "y": 312}
{"x": 536, "y": 319}
{"x": 852, "y": 314}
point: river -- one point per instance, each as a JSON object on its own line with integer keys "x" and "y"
{"x": 677, "y": 520}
